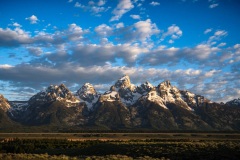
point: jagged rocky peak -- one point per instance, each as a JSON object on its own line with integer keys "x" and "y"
{"x": 193, "y": 99}
{"x": 4, "y": 105}
{"x": 147, "y": 84}
{"x": 165, "y": 84}
{"x": 165, "y": 90}
{"x": 145, "y": 88}
{"x": 171, "y": 94}
{"x": 61, "y": 91}
{"x": 2, "y": 98}
{"x": 122, "y": 91}
{"x": 87, "y": 88}
{"x": 123, "y": 83}
{"x": 234, "y": 102}
{"x": 53, "y": 93}
{"x": 188, "y": 97}
{"x": 127, "y": 92}
{"x": 88, "y": 94}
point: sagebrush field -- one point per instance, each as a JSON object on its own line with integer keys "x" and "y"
{"x": 120, "y": 146}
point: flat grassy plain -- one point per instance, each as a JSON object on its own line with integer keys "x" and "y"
{"x": 120, "y": 146}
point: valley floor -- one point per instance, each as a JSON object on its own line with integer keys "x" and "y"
{"x": 120, "y": 145}
{"x": 125, "y": 136}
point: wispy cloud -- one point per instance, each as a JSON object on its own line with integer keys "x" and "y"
{"x": 207, "y": 31}
{"x": 213, "y": 5}
{"x": 36, "y": 51}
{"x": 94, "y": 8}
{"x": 123, "y": 7}
{"x": 134, "y": 16}
{"x": 218, "y": 35}
{"x": 153, "y": 3}
{"x": 101, "y": 2}
{"x": 79, "y": 5}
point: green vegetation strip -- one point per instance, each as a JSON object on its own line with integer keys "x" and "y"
{"x": 153, "y": 148}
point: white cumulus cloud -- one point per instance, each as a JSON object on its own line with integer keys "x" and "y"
{"x": 14, "y": 37}
{"x": 119, "y": 25}
{"x": 103, "y": 30}
{"x": 145, "y": 29}
{"x": 174, "y": 31}
{"x": 75, "y": 32}
{"x": 15, "y": 24}
{"x": 33, "y": 19}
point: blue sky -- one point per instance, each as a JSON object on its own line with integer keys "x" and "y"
{"x": 193, "y": 43}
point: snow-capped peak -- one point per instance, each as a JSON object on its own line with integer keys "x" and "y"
{"x": 88, "y": 94}
{"x": 126, "y": 92}
{"x": 53, "y": 93}
{"x": 144, "y": 88}
{"x": 192, "y": 99}
{"x": 167, "y": 91}
{"x": 87, "y": 88}
{"x": 61, "y": 91}
{"x": 123, "y": 82}
{"x": 171, "y": 94}
{"x": 149, "y": 85}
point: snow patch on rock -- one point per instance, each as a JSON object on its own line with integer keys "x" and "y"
{"x": 153, "y": 96}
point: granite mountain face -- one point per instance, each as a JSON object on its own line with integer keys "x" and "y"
{"x": 123, "y": 106}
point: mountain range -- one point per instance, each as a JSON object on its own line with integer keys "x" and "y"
{"x": 123, "y": 107}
